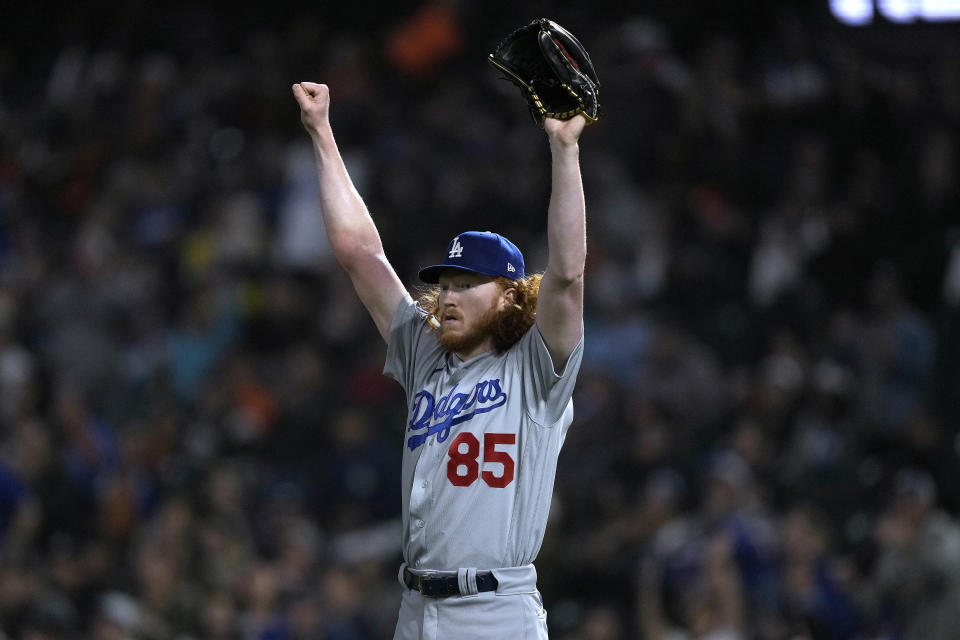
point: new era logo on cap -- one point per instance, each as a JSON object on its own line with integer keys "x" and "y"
{"x": 481, "y": 252}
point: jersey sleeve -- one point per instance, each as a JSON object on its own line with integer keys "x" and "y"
{"x": 407, "y": 328}
{"x": 546, "y": 393}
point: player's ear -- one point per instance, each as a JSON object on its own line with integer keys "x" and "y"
{"x": 509, "y": 296}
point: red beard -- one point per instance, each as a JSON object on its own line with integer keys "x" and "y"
{"x": 474, "y": 336}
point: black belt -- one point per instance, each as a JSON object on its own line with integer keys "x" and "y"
{"x": 445, "y": 586}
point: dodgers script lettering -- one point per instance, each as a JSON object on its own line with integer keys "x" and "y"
{"x": 437, "y": 416}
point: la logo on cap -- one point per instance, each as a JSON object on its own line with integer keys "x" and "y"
{"x": 483, "y": 252}
{"x": 456, "y": 250}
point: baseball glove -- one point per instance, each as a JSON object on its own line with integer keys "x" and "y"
{"x": 552, "y": 69}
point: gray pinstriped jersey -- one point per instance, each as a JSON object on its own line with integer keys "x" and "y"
{"x": 480, "y": 446}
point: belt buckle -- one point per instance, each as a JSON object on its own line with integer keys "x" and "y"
{"x": 422, "y": 581}
{"x": 425, "y": 582}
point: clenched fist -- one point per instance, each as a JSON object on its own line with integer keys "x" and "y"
{"x": 565, "y": 132}
{"x": 314, "y": 101}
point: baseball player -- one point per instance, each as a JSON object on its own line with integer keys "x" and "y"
{"x": 488, "y": 360}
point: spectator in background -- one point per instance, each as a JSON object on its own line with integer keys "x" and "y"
{"x": 716, "y": 563}
{"x": 897, "y": 357}
{"x": 709, "y": 606}
{"x": 915, "y": 586}
{"x": 816, "y": 588}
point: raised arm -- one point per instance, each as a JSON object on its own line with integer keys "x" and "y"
{"x": 560, "y": 303}
{"x": 350, "y": 229}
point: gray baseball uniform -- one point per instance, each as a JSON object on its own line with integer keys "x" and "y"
{"x": 480, "y": 454}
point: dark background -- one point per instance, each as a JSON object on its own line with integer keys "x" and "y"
{"x": 196, "y": 441}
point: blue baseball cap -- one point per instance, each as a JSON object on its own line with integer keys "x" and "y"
{"x": 481, "y": 252}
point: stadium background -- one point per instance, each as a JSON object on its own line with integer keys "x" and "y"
{"x": 195, "y": 440}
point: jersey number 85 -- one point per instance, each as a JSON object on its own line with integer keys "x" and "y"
{"x": 464, "y": 452}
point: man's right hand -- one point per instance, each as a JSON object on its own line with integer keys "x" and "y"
{"x": 314, "y": 101}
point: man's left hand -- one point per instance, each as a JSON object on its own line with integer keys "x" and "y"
{"x": 564, "y": 132}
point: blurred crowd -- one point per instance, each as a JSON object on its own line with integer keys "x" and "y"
{"x": 195, "y": 437}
